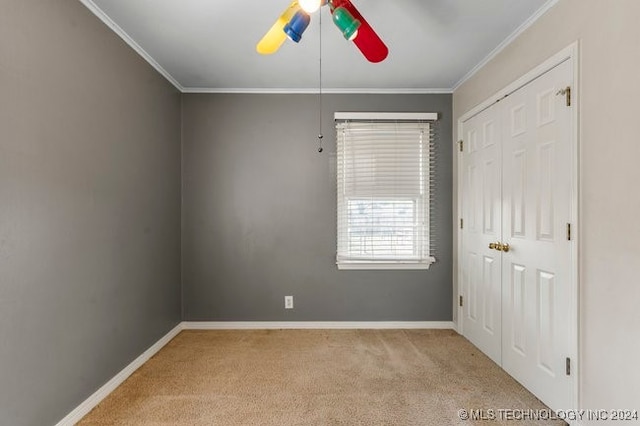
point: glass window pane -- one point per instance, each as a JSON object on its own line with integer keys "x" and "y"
{"x": 382, "y": 228}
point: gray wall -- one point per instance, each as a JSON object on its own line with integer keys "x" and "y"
{"x": 89, "y": 208}
{"x": 259, "y": 214}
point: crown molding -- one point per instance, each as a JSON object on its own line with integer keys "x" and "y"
{"x": 406, "y": 91}
{"x": 100, "y": 14}
{"x": 130, "y": 41}
{"x": 506, "y": 42}
{"x": 328, "y": 91}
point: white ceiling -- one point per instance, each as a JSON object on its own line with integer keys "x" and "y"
{"x": 209, "y": 45}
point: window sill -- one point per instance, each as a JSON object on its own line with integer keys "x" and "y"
{"x": 367, "y": 265}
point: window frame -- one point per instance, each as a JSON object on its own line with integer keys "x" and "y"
{"x": 423, "y": 261}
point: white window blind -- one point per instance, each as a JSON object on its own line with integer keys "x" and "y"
{"x": 384, "y": 169}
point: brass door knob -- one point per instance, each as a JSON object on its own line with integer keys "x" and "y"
{"x": 500, "y": 247}
{"x": 503, "y": 247}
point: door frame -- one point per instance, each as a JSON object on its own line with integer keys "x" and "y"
{"x": 571, "y": 54}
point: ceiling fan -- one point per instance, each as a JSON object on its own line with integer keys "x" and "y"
{"x": 296, "y": 18}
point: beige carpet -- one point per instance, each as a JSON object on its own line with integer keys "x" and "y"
{"x": 314, "y": 377}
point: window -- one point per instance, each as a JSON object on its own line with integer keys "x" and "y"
{"x": 383, "y": 166}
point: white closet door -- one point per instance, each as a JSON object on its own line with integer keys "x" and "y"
{"x": 482, "y": 211}
{"x": 536, "y": 271}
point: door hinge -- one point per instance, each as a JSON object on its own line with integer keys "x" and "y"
{"x": 460, "y": 301}
{"x": 566, "y": 92}
{"x": 568, "y": 232}
{"x": 461, "y": 145}
{"x": 461, "y": 223}
{"x": 567, "y": 366}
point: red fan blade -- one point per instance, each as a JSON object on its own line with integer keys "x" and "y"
{"x": 369, "y": 43}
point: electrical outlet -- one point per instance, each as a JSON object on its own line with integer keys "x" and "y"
{"x": 288, "y": 302}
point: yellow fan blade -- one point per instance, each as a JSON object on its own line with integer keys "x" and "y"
{"x": 274, "y": 38}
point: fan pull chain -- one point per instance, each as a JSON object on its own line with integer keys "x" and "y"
{"x": 320, "y": 136}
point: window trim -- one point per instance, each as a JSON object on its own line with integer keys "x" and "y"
{"x": 388, "y": 264}
{"x": 353, "y": 265}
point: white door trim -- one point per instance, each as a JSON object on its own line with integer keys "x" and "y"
{"x": 570, "y": 53}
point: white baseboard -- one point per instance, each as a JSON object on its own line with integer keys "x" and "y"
{"x": 308, "y": 325}
{"x": 90, "y": 403}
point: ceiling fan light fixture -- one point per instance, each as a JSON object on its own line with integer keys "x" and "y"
{"x": 310, "y": 6}
{"x": 346, "y": 23}
{"x": 297, "y": 25}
